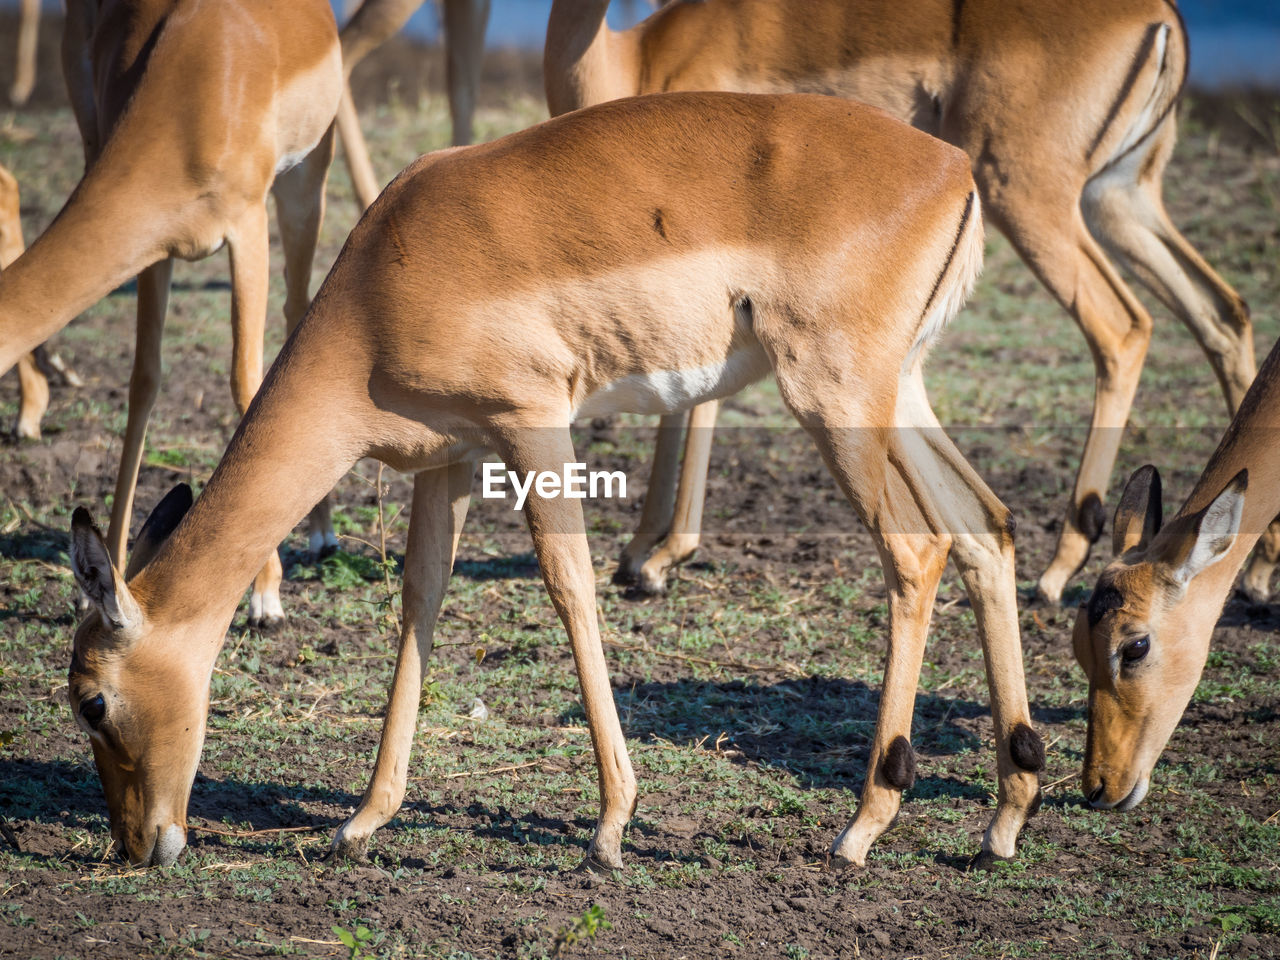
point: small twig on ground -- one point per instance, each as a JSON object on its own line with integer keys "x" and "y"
{"x": 483, "y": 773}
{"x": 258, "y": 833}
{"x": 706, "y": 661}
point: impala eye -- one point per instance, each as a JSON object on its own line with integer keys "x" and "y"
{"x": 93, "y": 710}
{"x": 1135, "y": 651}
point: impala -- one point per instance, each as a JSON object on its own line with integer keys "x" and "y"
{"x": 179, "y": 163}
{"x": 1066, "y": 113}
{"x": 645, "y": 255}
{"x": 1143, "y": 636}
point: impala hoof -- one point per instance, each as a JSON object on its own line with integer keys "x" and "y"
{"x": 266, "y": 624}
{"x": 623, "y": 576}
{"x": 593, "y": 866}
{"x": 839, "y": 863}
{"x": 986, "y": 861}
{"x": 347, "y": 851}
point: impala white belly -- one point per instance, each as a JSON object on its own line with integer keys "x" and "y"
{"x": 667, "y": 391}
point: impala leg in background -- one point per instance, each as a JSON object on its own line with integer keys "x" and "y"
{"x": 465, "y": 22}
{"x": 248, "y": 244}
{"x": 440, "y": 501}
{"x": 355, "y": 150}
{"x": 684, "y": 532}
{"x": 300, "y": 211}
{"x": 34, "y": 387}
{"x": 560, "y": 540}
{"x": 144, "y": 384}
{"x": 1050, "y": 234}
{"x": 659, "y": 499}
{"x": 24, "y": 72}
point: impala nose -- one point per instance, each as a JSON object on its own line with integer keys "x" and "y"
{"x": 1096, "y": 796}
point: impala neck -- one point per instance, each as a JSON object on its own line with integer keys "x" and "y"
{"x": 93, "y": 246}
{"x": 300, "y": 436}
{"x": 584, "y": 61}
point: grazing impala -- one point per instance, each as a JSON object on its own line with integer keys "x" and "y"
{"x": 1066, "y": 112}
{"x": 645, "y": 255}
{"x": 179, "y": 162}
{"x": 1143, "y": 637}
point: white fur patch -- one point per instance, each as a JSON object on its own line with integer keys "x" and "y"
{"x": 667, "y": 391}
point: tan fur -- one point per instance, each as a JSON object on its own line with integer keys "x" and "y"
{"x": 185, "y": 159}
{"x": 490, "y": 292}
{"x": 1133, "y": 712}
{"x": 1065, "y": 112}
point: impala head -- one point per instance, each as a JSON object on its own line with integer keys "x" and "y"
{"x": 1143, "y": 636}
{"x": 144, "y": 710}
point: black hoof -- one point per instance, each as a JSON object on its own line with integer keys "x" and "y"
{"x": 622, "y": 577}
{"x": 328, "y": 550}
{"x": 986, "y": 861}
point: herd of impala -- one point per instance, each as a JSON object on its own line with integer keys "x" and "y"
{"x": 716, "y": 198}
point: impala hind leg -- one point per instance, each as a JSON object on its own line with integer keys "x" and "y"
{"x": 659, "y": 499}
{"x": 981, "y": 529}
{"x": 440, "y": 501}
{"x": 560, "y": 540}
{"x": 300, "y": 211}
{"x": 1125, "y": 211}
{"x": 144, "y": 384}
{"x": 1047, "y": 228}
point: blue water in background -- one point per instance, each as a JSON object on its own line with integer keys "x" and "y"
{"x": 1233, "y": 42}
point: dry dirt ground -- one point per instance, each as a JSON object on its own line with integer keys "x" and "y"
{"x": 748, "y": 693}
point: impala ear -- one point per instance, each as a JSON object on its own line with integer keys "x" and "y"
{"x": 168, "y": 513}
{"x": 1138, "y": 515}
{"x": 98, "y": 577}
{"x": 1215, "y": 530}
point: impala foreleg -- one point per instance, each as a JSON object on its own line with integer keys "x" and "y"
{"x": 300, "y": 211}
{"x": 144, "y": 384}
{"x": 248, "y": 244}
{"x": 560, "y": 540}
{"x": 684, "y": 533}
{"x": 440, "y": 501}
{"x": 34, "y": 387}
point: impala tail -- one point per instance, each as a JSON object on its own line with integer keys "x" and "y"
{"x": 955, "y": 282}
